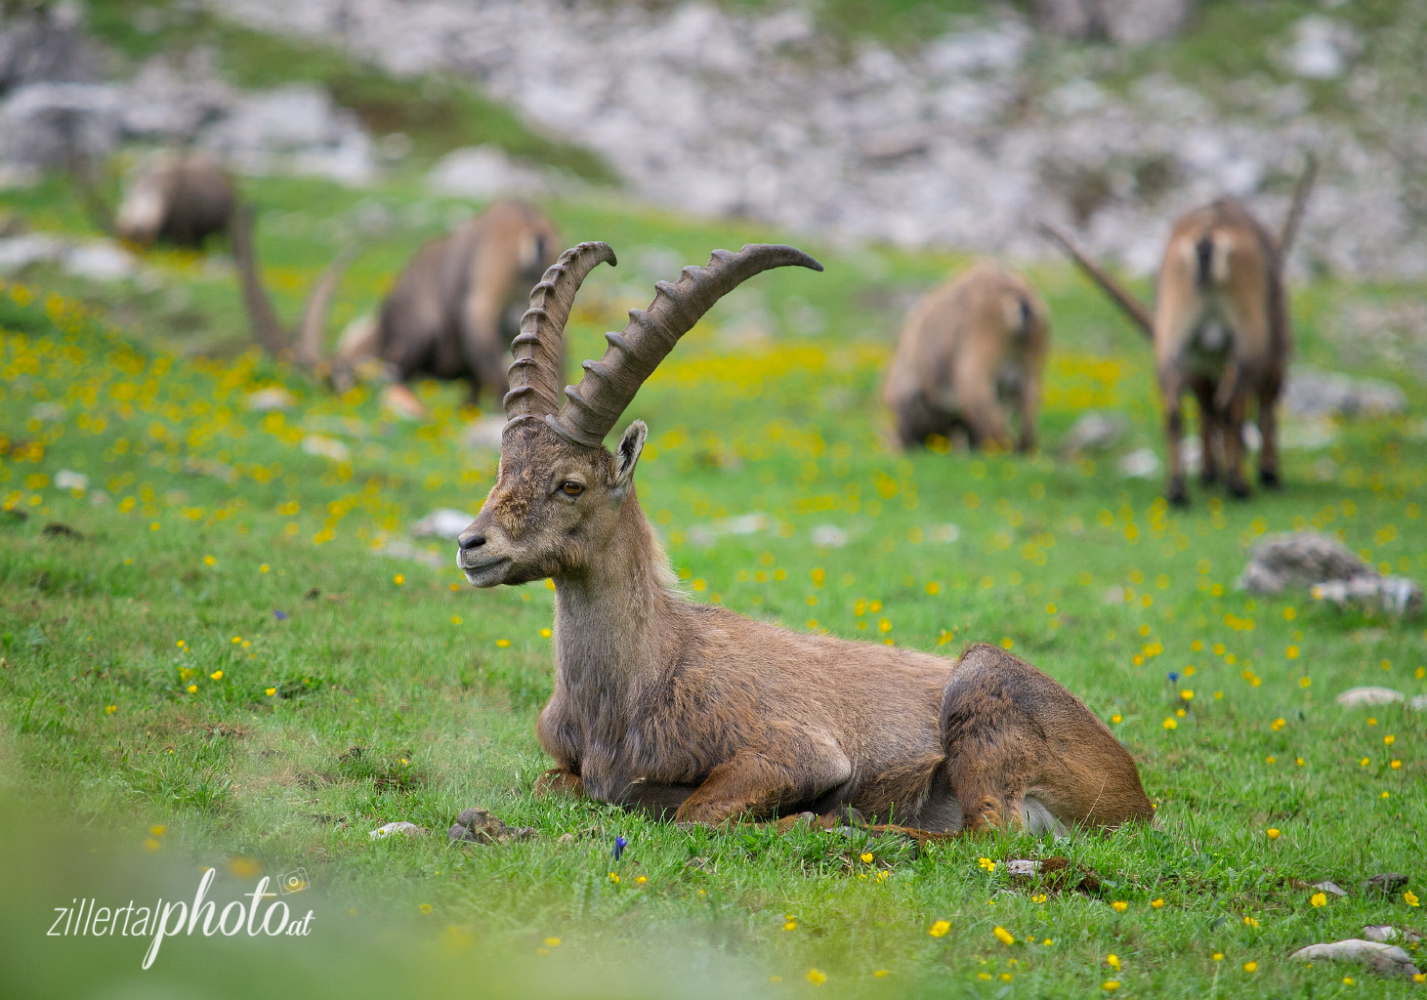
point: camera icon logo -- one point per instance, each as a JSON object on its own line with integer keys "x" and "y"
{"x": 293, "y": 881}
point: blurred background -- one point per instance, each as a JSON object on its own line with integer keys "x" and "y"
{"x": 953, "y": 123}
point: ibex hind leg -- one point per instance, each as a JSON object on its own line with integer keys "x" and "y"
{"x": 1023, "y": 752}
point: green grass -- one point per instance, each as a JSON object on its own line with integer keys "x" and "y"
{"x": 411, "y": 700}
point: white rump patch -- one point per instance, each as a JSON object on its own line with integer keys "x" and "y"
{"x": 1038, "y": 819}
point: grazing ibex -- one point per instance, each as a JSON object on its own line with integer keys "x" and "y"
{"x": 180, "y": 198}
{"x": 968, "y": 347}
{"x": 691, "y": 710}
{"x": 457, "y": 305}
{"x": 1220, "y": 329}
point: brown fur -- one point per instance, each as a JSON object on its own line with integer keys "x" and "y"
{"x": 691, "y": 710}
{"x": 180, "y": 199}
{"x": 455, "y": 309}
{"x": 1221, "y": 331}
{"x": 968, "y": 347}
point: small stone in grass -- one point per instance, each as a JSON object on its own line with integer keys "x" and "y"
{"x": 400, "y": 827}
{"x": 1384, "y": 959}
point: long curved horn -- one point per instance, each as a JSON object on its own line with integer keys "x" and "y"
{"x": 609, "y": 385}
{"x": 535, "y": 372}
{"x": 261, "y": 317}
{"x": 1291, "y": 221}
{"x": 314, "y": 312}
{"x": 1133, "y": 307}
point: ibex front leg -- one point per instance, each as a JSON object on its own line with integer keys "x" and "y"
{"x": 759, "y": 784}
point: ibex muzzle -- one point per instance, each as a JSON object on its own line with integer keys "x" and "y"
{"x": 692, "y": 711}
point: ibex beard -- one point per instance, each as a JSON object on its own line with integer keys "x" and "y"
{"x": 694, "y": 712}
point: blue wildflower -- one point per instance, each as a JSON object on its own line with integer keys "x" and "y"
{"x": 280, "y": 615}
{"x": 619, "y": 845}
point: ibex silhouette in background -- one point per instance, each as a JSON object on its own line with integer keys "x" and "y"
{"x": 1220, "y": 330}
{"x": 692, "y": 711}
{"x": 456, "y": 307}
{"x": 178, "y": 198}
{"x": 970, "y": 346}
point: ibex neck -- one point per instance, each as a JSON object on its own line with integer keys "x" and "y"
{"x": 611, "y": 618}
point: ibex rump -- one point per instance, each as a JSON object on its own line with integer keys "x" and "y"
{"x": 969, "y": 347}
{"x": 691, "y": 710}
{"x": 1220, "y": 329}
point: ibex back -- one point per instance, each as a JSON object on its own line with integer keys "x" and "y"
{"x": 695, "y": 712}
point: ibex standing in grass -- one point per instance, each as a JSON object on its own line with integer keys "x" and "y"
{"x": 456, "y": 307}
{"x": 691, "y": 710}
{"x": 1220, "y": 329}
{"x": 968, "y": 347}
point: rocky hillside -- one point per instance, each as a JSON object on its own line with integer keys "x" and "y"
{"x": 964, "y": 140}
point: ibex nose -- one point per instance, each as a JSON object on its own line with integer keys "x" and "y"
{"x": 470, "y": 540}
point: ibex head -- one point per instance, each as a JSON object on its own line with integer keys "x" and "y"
{"x": 559, "y": 493}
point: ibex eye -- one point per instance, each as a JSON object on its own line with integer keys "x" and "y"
{"x": 571, "y": 488}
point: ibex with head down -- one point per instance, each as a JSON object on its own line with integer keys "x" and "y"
{"x": 456, "y": 307}
{"x": 1220, "y": 329}
{"x": 691, "y": 710}
{"x": 969, "y": 347}
{"x": 178, "y": 198}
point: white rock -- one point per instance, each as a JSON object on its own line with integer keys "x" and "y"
{"x": 317, "y": 444}
{"x": 393, "y": 829}
{"x": 1359, "y": 696}
{"x": 100, "y": 260}
{"x": 442, "y": 523}
{"x": 483, "y": 172}
{"x": 273, "y": 397}
{"x": 1385, "y": 959}
{"x": 1094, "y": 431}
{"x": 19, "y": 252}
{"x": 485, "y": 432}
{"x": 829, "y": 536}
{"x": 1140, "y": 464}
{"x": 943, "y": 533}
{"x": 67, "y": 479}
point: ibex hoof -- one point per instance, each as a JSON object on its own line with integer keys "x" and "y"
{"x": 1178, "y": 495}
{"x": 1269, "y": 477}
{"x": 1239, "y": 489}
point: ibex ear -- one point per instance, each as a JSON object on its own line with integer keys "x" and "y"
{"x": 626, "y": 456}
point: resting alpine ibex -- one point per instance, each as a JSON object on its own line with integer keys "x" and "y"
{"x": 968, "y": 346}
{"x": 179, "y": 198}
{"x": 691, "y": 710}
{"x": 457, "y": 305}
{"x": 1220, "y": 330}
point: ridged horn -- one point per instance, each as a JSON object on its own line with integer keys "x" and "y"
{"x": 608, "y": 386}
{"x": 1133, "y": 307}
{"x": 535, "y": 372}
